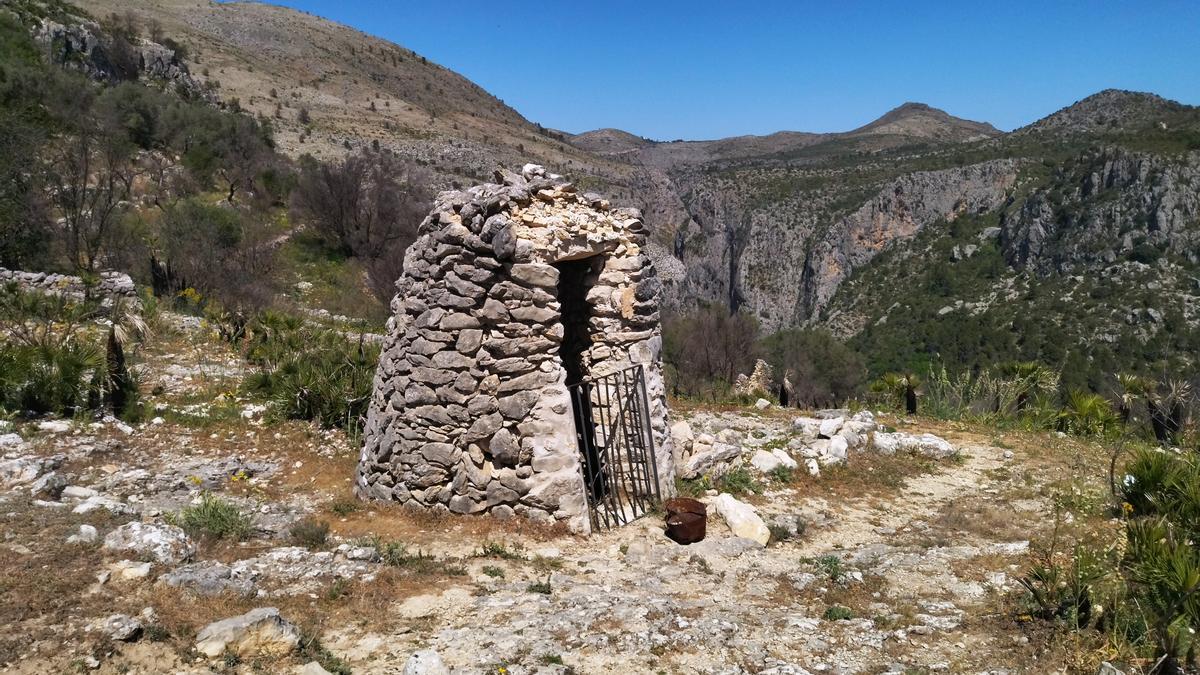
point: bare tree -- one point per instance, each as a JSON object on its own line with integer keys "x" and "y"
{"x": 90, "y": 177}
{"x": 244, "y": 154}
{"x": 707, "y": 349}
{"x": 367, "y": 206}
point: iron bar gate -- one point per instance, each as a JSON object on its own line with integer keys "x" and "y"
{"x": 616, "y": 447}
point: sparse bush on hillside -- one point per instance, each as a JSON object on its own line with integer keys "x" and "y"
{"x": 823, "y": 371}
{"x": 214, "y": 517}
{"x": 1007, "y": 391}
{"x": 54, "y": 360}
{"x": 368, "y": 206}
{"x": 219, "y": 251}
{"x": 706, "y": 350}
{"x": 1143, "y": 593}
{"x": 47, "y": 362}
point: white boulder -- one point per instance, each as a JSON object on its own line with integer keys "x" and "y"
{"x": 830, "y": 426}
{"x": 814, "y": 469}
{"x": 54, "y": 426}
{"x": 809, "y": 427}
{"x": 741, "y": 518}
{"x": 259, "y": 632}
{"x": 784, "y": 458}
{"x": 425, "y": 662}
{"x": 165, "y": 543}
{"x": 119, "y": 627}
{"x": 765, "y": 461}
{"x": 837, "y": 451}
{"x": 86, "y": 535}
{"x": 711, "y": 461}
{"x": 925, "y": 444}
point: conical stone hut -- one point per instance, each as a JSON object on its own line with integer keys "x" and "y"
{"x": 521, "y": 374}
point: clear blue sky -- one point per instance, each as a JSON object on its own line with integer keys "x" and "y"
{"x": 709, "y": 69}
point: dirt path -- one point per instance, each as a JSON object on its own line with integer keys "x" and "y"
{"x": 859, "y": 524}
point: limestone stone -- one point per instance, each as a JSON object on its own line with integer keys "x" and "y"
{"x": 518, "y": 405}
{"x": 741, "y": 518}
{"x": 260, "y": 632}
{"x": 504, "y": 448}
{"x": 469, "y": 341}
{"x": 483, "y": 427}
{"x": 535, "y": 274}
{"x": 165, "y": 543}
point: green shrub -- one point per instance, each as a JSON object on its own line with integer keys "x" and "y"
{"x": 1148, "y": 477}
{"x": 782, "y": 474}
{"x": 312, "y": 649}
{"x": 215, "y": 517}
{"x": 838, "y": 613}
{"x": 779, "y": 532}
{"x": 831, "y": 566}
{"x": 739, "y": 482}
{"x": 1065, "y": 592}
{"x": 496, "y": 549}
{"x": 310, "y": 534}
{"x": 1087, "y": 414}
{"x": 40, "y": 380}
{"x": 693, "y": 488}
{"x": 311, "y": 373}
{"x": 344, "y": 507}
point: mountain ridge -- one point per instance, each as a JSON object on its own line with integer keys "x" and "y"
{"x": 792, "y": 227}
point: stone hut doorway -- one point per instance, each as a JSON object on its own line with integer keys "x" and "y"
{"x": 610, "y": 410}
{"x": 575, "y": 279}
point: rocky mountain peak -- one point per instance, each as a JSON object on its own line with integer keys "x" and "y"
{"x": 924, "y": 121}
{"x": 609, "y": 141}
{"x": 1109, "y": 110}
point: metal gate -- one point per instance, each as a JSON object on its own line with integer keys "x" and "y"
{"x": 612, "y": 429}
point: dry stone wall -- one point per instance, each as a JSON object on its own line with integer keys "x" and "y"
{"x": 470, "y": 411}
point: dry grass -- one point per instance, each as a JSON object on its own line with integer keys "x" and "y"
{"x": 866, "y": 474}
{"x": 981, "y": 518}
{"x": 44, "y": 581}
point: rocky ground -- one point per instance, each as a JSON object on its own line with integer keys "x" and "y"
{"x": 902, "y": 562}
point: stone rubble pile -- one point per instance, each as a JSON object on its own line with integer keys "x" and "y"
{"x": 729, "y": 442}
{"x": 470, "y": 413}
{"x": 758, "y": 383}
{"x": 279, "y": 571}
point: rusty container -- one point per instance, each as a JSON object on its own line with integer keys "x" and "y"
{"x": 686, "y": 520}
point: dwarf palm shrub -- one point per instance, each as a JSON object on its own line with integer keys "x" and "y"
{"x": 47, "y": 379}
{"x": 310, "y": 372}
{"x": 48, "y": 362}
{"x": 1087, "y": 414}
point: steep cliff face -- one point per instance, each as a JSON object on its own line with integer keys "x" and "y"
{"x": 1104, "y": 206}
{"x": 897, "y": 213}
{"x": 783, "y": 256}
{"x": 83, "y": 46}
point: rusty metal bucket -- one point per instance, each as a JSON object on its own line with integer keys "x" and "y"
{"x": 687, "y": 520}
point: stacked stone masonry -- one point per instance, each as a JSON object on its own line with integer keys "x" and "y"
{"x": 470, "y": 412}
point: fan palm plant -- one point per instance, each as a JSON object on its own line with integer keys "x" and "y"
{"x": 1087, "y": 414}
{"x": 1168, "y": 410}
{"x": 127, "y": 327}
{"x": 1163, "y": 570}
{"x": 901, "y": 388}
